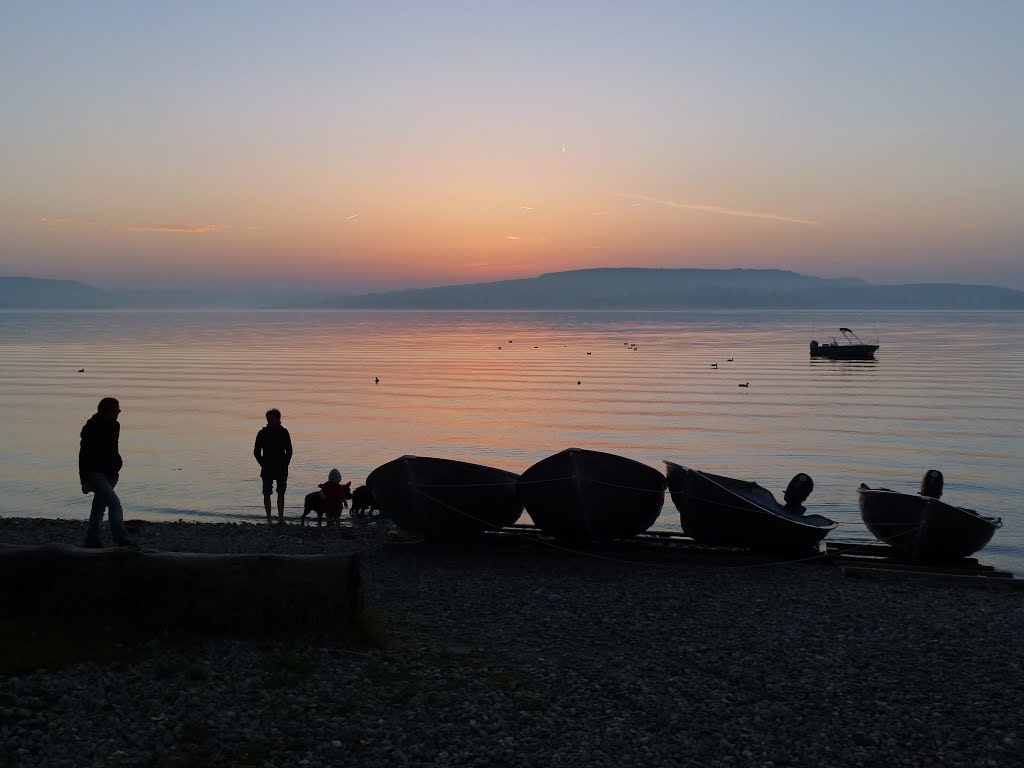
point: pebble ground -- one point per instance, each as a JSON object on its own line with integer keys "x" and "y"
{"x": 534, "y": 658}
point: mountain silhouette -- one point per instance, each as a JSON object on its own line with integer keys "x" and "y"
{"x": 604, "y": 288}
{"x": 635, "y": 288}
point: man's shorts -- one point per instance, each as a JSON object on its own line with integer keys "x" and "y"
{"x": 268, "y": 481}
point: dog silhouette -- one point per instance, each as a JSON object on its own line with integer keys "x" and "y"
{"x": 363, "y": 502}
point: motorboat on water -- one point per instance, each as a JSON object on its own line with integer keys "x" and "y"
{"x": 850, "y": 347}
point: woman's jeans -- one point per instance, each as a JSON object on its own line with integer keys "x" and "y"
{"x": 105, "y": 498}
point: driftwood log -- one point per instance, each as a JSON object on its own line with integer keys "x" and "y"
{"x": 260, "y": 592}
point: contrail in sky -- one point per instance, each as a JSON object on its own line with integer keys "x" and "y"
{"x": 188, "y": 228}
{"x": 724, "y": 211}
{"x": 115, "y": 227}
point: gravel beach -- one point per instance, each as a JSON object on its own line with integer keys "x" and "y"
{"x": 535, "y": 658}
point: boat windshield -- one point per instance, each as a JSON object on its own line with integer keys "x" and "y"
{"x": 852, "y": 338}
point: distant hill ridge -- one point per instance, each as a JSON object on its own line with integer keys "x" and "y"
{"x": 599, "y": 288}
{"x": 639, "y": 288}
{"x": 43, "y": 293}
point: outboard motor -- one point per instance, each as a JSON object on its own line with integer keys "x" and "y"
{"x": 797, "y": 491}
{"x": 931, "y": 484}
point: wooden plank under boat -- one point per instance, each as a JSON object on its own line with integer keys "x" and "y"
{"x": 724, "y": 512}
{"x": 442, "y": 499}
{"x": 582, "y": 495}
{"x": 920, "y": 526}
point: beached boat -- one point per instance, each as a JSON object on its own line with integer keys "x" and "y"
{"x": 850, "y": 347}
{"x": 581, "y": 495}
{"x": 443, "y": 499}
{"x": 921, "y": 527}
{"x": 725, "y": 512}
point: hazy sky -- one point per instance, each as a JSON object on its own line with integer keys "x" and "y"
{"x": 384, "y": 144}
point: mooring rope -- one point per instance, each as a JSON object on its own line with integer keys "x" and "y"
{"x": 607, "y": 558}
{"x": 627, "y": 487}
{"x": 491, "y": 485}
{"x": 753, "y": 507}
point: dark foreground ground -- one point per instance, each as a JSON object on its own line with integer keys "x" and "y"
{"x": 530, "y": 657}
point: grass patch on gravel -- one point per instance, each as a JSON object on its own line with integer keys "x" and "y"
{"x": 190, "y": 760}
{"x": 366, "y": 629}
{"x": 26, "y": 646}
{"x": 379, "y": 673}
{"x": 355, "y": 739}
{"x": 195, "y": 732}
{"x": 403, "y": 685}
{"x": 289, "y": 664}
{"x": 506, "y": 681}
{"x": 407, "y": 691}
{"x": 189, "y": 753}
{"x": 283, "y": 671}
{"x": 258, "y": 752}
{"x": 526, "y": 702}
{"x": 456, "y": 682}
{"x": 331, "y": 704}
{"x": 169, "y": 670}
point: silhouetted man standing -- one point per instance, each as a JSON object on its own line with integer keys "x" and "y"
{"x": 99, "y": 464}
{"x": 273, "y": 451}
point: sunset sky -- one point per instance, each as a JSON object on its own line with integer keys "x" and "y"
{"x": 388, "y": 144}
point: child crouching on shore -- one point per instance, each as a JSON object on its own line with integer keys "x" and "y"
{"x": 335, "y": 496}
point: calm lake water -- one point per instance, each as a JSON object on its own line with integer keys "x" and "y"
{"x": 500, "y": 388}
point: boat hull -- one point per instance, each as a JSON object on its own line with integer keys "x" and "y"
{"x": 724, "y": 512}
{"x": 923, "y": 528}
{"x": 443, "y": 499}
{"x": 581, "y": 495}
{"x": 844, "y": 351}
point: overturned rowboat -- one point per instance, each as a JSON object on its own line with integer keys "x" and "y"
{"x": 581, "y": 495}
{"x": 443, "y": 499}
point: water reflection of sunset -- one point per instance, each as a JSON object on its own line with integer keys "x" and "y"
{"x": 500, "y": 388}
